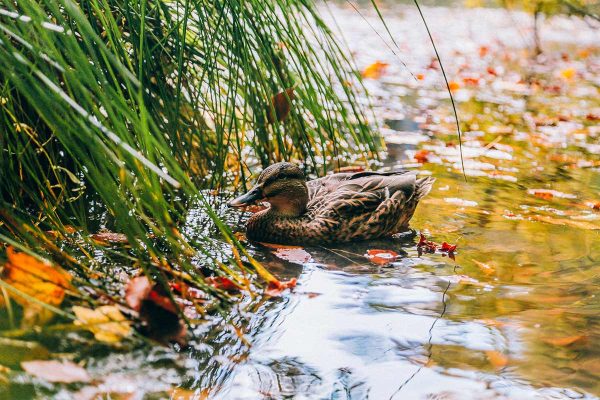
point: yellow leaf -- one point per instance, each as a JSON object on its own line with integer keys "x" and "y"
{"x": 37, "y": 279}
{"x": 375, "y": 70}
{"x": 568, "y": 73}
{"x": 105, "y": 322}
{"x": 485, "y": 268}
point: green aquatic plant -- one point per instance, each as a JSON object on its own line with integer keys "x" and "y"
{"x": 116, "y": 114}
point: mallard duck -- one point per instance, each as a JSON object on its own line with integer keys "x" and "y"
{"x": 337, "y": 208}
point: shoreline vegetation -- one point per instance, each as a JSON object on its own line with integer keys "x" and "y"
{"x": 116, "y": 115}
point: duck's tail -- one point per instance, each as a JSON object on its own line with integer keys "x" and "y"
{"x": 423, "y": 187}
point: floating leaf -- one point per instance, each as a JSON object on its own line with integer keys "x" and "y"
{"x": 421, "y": 156}
{"x": 223, "y": 283}
{"x": 381, "y": 256}
{"x": 105, "y": 322}
{"x": 425, "y": 246}
{"x": 36, "y": 279}
{"x": 564, "y": 341}
{"x": 275, "y": 288}
{"x": 136, "y": 291}
{"x": 56, "y": 371}
{"x": 547, "y": 194}
{"x": 294, "y": 254}
{"x": 497, "y": 359}
{"x": 375, "y": 70}
{"x": 448, "y": 248}
{"x": 568, "y": 73}
{"x": 454, "y": 86}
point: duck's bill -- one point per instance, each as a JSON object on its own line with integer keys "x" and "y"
{"x": 247, "y": 199}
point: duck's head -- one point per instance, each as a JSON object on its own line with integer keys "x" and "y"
{"x": 283, "y": 185}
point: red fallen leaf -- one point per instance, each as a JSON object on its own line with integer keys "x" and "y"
{"x": 282, "y": 104}
{"x": 275, "y": 288}
{"x": 483, "y": 51}
{"x": 470, "y": 80}
{"x": 592, "y": 117}
{"x": 136, "y": 291}
{"x": 492, "y": 71}
{"x": 426, "y": 245}
{"x": 421, "y": 156}
{"x": 56, "y": 371}
{"x": 223, "y": 283}
{"x": 448, "y": 248}
{"x": 381, "y": 256}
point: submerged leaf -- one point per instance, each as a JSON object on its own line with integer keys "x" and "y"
{"x": 105, "y": 322}
{"x": 564, "y": 341}
{"x": 56, "y": 371}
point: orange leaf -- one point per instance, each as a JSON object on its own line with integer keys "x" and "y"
{"x": 547, "y": 194}
{"x": 282, "y": 104}
{"x": 381, "y": 256}
{"x": 56, "y": 371}
{"x": 220, "y": 282}
{"x": 454, "y": 86}
{"x": 564, "y": 341}
{"x": 420, "y": 76}
{"x": 421, "y": 156}
{"x": 497, "y": 359}
{"x": 375, "y": 70}
{"x": 37, "y": 279}
{"x": 275, "y": 288}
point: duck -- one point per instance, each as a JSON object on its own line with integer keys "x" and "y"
{"x": 340, "y": 207}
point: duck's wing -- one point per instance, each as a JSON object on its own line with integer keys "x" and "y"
{"x": 370, "y": 205}
{"x": 321, "y": 187}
